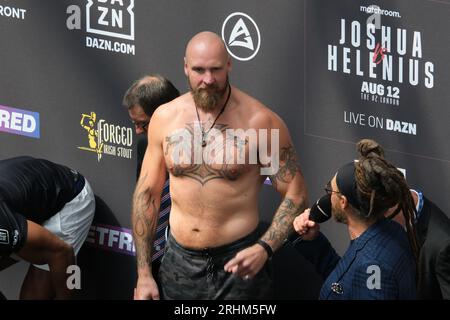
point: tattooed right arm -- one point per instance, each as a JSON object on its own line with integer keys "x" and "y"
{"x": 145, "y": 210}
{"x": 144, "y": 218}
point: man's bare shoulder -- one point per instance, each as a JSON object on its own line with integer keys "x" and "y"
{"x": 172, "y": 109}
{"x": 259, "y": 114}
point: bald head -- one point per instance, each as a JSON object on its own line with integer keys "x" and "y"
{"x": 149, "y": 79}
{"x": 206, "y": 66}
{"x": 206, "y": 42}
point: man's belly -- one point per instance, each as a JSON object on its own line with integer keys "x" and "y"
{"x": 211, "y": 228}
{"x": 214, "y": 213}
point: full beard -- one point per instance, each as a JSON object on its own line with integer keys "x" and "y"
{"x": 208, "y": 98}
{"x": 339, "y": 215}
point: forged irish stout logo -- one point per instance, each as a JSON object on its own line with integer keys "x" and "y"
{"x": 106, "y": 138}
{"x": 241, "y": 36}
{"x": 107, "y": 18}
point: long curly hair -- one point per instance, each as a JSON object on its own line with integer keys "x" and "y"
{"x": 380, "y": 186}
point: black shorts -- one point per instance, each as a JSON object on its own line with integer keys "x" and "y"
{"x": 199, "y": 274}
{"x": 13, "y": 230}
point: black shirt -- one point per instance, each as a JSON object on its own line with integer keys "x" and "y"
{"x": 31, "y": 189}
{"x": 36, "y": 188}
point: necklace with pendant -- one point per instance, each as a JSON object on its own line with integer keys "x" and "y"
{"x": 204, "y": 133}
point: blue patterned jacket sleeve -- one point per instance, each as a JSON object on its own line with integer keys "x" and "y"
{"x": 320, "y": 253}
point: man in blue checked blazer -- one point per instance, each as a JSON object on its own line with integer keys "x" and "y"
{"x": 141, "y": 100}
{"x": 380, "y": 262}
{"x": 377, "y": 265}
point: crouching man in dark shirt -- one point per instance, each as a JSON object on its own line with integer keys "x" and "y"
{"x": 46, "y": 210}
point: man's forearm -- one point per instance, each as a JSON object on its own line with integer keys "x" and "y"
{"x": 282, "y": 221}
{"x": 294, "y": 202}
{"x": 144, "y": 218}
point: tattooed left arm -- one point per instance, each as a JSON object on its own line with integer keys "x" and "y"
{"x": 289, "y": 182}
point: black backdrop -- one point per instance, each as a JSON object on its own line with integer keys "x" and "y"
{"x": 63, "y": 63}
